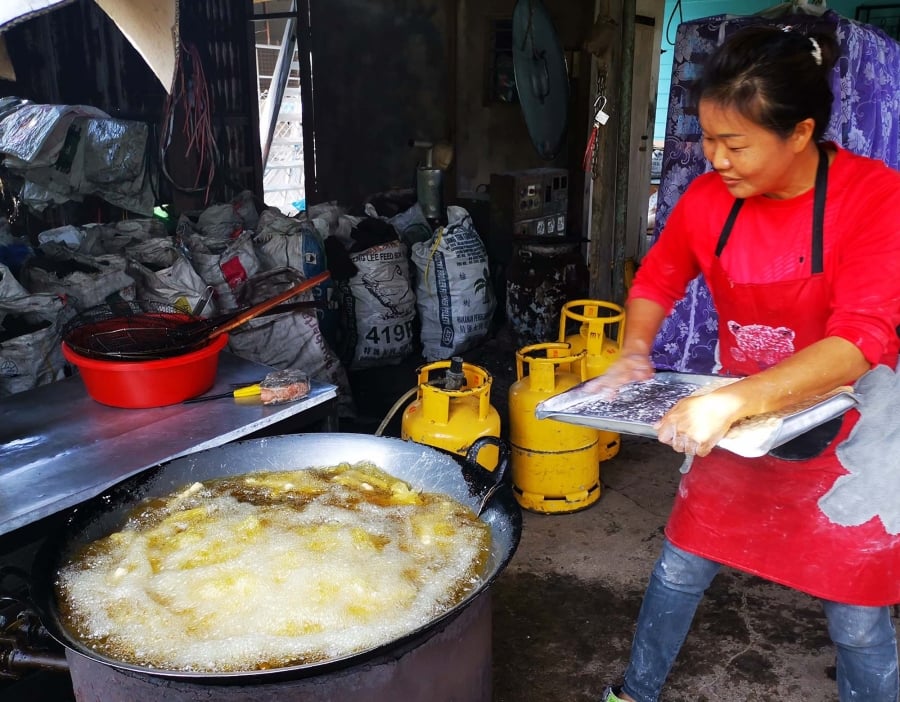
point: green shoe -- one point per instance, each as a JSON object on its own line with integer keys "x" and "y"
{"x": 610, "y": 694}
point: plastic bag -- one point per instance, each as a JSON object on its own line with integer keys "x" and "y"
{"x": 86, "y": 280}
{"x": 30, "y": 352}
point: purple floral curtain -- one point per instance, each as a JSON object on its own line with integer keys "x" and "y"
{"x": 864, "y": 121}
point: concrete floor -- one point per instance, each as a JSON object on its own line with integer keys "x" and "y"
{"x": 565, "y": 608}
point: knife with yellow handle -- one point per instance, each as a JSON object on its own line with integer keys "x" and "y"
{"x": 246, "y": 391}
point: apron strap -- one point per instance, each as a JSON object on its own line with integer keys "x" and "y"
{"x": 729, "y": 224}
{"x": 818, "y": 245}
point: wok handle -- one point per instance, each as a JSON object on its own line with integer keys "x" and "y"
{"x": 499, "y": 472}
{"x": 266, "y": 305}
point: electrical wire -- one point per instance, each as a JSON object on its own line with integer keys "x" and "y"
{"x": 190, "y": 92}
{"x": 587, "y": 162}
{"x": 675, "y": 8}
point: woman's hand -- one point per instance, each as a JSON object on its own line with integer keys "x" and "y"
{"x": 642, "y": 321}
{"x": 696, "y": 424}
{"x": 625, "y": 369}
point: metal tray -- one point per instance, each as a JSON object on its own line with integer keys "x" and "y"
{"x": 639, "y": 406}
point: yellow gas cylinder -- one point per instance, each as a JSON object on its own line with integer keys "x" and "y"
{"x": 453, "y": 408}
{"x": 601, "y": 329}
{"x": 555, "y": 466}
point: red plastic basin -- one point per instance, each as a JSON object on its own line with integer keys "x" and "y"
{"x": 141, "y": 384}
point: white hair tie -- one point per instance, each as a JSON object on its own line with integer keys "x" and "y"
{"x": 816, "y": 51}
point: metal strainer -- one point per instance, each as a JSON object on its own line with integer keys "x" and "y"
{"x": 144, "y": 330}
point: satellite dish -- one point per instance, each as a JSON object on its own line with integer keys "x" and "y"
{"x": 542, "y": 80}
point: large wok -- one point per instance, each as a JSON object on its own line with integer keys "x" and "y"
{"x": 488, "y": 493}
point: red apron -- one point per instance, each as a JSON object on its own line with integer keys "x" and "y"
{"x": 761, "y": 515}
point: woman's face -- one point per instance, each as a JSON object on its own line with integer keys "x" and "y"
{"x": 751, "y": 159}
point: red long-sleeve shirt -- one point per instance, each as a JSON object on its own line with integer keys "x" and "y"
{"x": 772, "y": 240}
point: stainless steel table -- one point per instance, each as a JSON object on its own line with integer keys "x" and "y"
{"x": 58, "y": 447}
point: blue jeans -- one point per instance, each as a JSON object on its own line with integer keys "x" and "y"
{"x": 864, "y": 636}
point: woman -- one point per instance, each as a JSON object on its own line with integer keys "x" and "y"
{"x": 798, "y": 242}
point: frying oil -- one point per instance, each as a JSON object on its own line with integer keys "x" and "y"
{"x": 273, "y": 569}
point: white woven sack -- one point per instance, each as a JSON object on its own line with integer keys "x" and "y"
{"x": 453, "y": 288}
{"x": 283, "y": 241}
{"x": 162, "y": 272}
{"x": 384, "y": 305}
{"x": 224, "y": 264}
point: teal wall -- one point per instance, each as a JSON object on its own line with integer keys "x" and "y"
{"x": 695, "y": 9}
